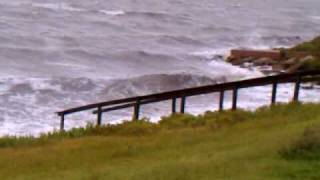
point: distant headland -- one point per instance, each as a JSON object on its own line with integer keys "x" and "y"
{"x": 302, "y": 57}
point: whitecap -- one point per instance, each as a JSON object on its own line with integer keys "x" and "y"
{"x": 315, "y": 17}
{"x": 69, "y": 65}
{"x": 56, "y": 6}
{"x": 212, "y": 53}
{"x": 112, "y": 12}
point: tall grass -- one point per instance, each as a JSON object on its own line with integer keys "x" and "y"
{"x": 213, "y": 120}
{"x": 143, "y": 127}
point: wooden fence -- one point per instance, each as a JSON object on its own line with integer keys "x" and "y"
{"x": 137, "y": 102}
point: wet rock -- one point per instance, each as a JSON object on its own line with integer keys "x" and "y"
{"x": 294, "y": 68}
{"x": 264, "y": 61}
{"x": 242, "y": 61}
{"x": 270, "y": 61}
{"x": 294, "y": 64}
{"x": 277, "y": 67}
{"x": 230, "y": 59}
{"x": 290, "y": 62}
{"x": 244, "y": 53}
{"x": 267, "y": 70}
{"x": 299, "y": 64}
{"x": 307, "y": 58}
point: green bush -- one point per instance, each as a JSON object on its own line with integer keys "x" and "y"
{"x": 305, "y": 148}
{"x": 217, "y": 120}
{"x": 312, "y": 47}
{"x": 131, "y": 128}
{"x": 14, "y": 141}
{"x": 311, "y": 64}
{"x": 180, "y": 121}
{"x": 307, "y": 48}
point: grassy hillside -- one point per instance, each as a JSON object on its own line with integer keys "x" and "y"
{"x": 310, "y": 48}
{"x": 282, "y": 142}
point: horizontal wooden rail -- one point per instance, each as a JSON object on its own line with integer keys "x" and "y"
{"x": 123, "y": 106}
{"x": 136, "y": 102}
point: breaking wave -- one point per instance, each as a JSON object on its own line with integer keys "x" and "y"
{"x": 156, "y": 83}
{"x": 45, "y": 96}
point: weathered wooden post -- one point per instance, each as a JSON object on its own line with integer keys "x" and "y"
{"x": 136, "y": 110}
{"x": 182, "y": 104}
{"x": 99, "y": 116}
{"x": 235, "y": 98}
{"x": 174, "y": 105}
{"x": 62, "y": 122}
{"x": 274, "y": 93}
{"x": 297, "y": 89}
{"x": 221, "y": 100}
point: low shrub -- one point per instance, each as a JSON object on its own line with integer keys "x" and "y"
{"x": 14, "y": 141}
{"x": 130, "y": 128}
{"x": 311, "y": 64}
{"x": 217, "y": 120}
{"x": 143, "y": 127}
{"x": 181, "y": 120}
{"x": 312, "y": 47}
{"x": 304, "y": 49}
{"x": 305, "y": 148}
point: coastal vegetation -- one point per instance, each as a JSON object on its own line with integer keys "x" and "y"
{"x": 302, "y": 57}
{"x": 278, "y": 142}
{"x": 309, "y": 48}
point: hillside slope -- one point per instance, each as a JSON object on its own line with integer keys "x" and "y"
{"x": 230, "y": 145}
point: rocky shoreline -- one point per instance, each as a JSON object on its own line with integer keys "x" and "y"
{"x": 268, "y": 61}
{"x": 304, "y": 56}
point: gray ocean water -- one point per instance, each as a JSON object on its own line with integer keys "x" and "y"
{"x": 57, "y": 54}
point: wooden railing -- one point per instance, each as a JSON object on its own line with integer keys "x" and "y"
{"x": 136, "y": 102}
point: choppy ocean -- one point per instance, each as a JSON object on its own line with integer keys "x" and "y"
{"x": 57, "y": 54}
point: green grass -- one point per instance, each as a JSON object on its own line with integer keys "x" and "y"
{"x": 272, "y": 143}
